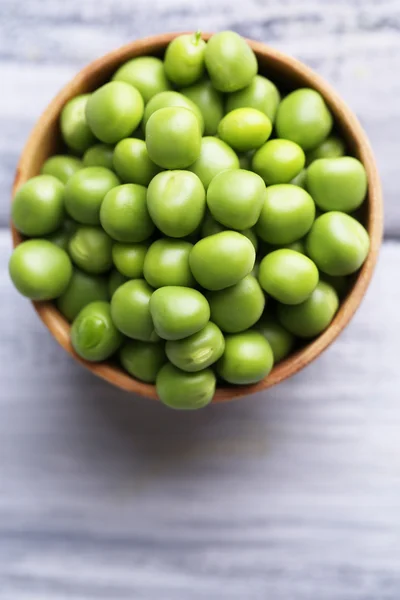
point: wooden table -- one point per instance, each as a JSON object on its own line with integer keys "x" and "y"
{"x": 290, "y": 495}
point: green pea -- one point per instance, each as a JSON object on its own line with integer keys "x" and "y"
{"x": 115, "y": 280}
{"x": 146, "y": 74}
{"x": 197, "y": 351}
{"x": 209, "y": 101}
{"x": 61, "y": 166}
{"x": 210, "y": 226}
{"x": 172, "y": 100}
{"x": 337, "y": 243}
{"x": 142, "y": 360}
{"x": 130, "y": 310}
{"x": 278, "y": 161}
{"x": 61, "y": 236}
{"x": 176, "y": 201}
{"x": 184, "y": 59}
{"x": 313, "y": 316}
{"x": 331, "y": 147}
{"x": 75, "y": 131}
{"x": 40, "y": 270}
{"x": 185, "y": 391}
{"x": 235, "y": 198}
{"x": 261, "y": 94}
{"x": 94, "y": 336}
{"x": 173, "y": 138}
{"x": 245, "y": 129}
{"x": 301, "y": 179}
{"x": 129, "y": 259}
{"x": 215, "y": 157}
{"x": 287, "y": 214}
{"x": 167, "y": 263}
{"x": 82, "y": 290}
{"x": 91, "y": 249}
{"x": 132, "y": 163}
{"x": 337, "y": 183}
{"x": 85, "y": 192}
{"x": 114, "y": 110}
{"x": 246, "y": 159}
{"x": 237, "y": 307}
{"x": 178, "y": 312}
{"x": 221, "y": 260}
{"x": 297, "y": 246}
{"x": 124, "y": 214}
{"x": 38, "y": 206}
{"x": 99, "y": 155}
{"x": 304, "y": 118}
{"x": 280, "y": 340}
{"x": 230, "y": 62}
{"x": 288, "y": 276}
{"x": 247, "y": 358}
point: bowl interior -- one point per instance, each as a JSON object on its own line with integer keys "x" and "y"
{"x": 288, "y": 74}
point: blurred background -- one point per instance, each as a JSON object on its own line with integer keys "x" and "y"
{"x": 293, "y": 494}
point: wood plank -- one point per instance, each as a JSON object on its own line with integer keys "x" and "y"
{"x": 293, "y": 493}
{"x": 355, "y": 45}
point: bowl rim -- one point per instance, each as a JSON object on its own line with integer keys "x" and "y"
{"x": 59, "y": 327}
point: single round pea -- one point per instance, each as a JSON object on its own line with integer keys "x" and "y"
{"x": 304, "y": 118}
{"x": 261, "y": 94}
{"x": 114, "y": 110}
{"x": 115, "y": 280}
{"x": 278, "y": 161}
{"x": 280, "y": 340}
{"x": 82, "y": 290}
{"x": 210, "y": 226}
{"x": 331, "y": 147}
{"x": 40, "y": 270}
{"x": 178, "y": 311}
{"x": 287, "y": 214}
{"x": 85, "y": 192}
{"x": 237, "y": 307}
{"x": 176, "y": 201}
{"x": 209, "y": 101}
{"x": 215, "y": 157}
{"x": 61, "y": 166}
{"x": 221, "y": 260}
{"x": 91, "y": 249}
{"x": 247, "y": 358}
{"x": 142, "y": 360}
{"x": 301, "y": 179}
{"x": 124, "y": 214}
{"x": 99, "y": 155}
{"x": 130, "y": 310}
{"x": 288, "y": 276}
{"x": 245, "y": 129}
{"x": 297, "y": 246}
{"x": 129, "y": 259}
{"x": 337, "y": 183}
{"x": 197, "y": 351}
{"x": 38, "y": 206}
{"x": 185, "y": 391}
{"x": 235, "y": 198}
{"x": 61, "y": 236}
{"x": 173, "y": 138}
{"x": 337, "y": 243}
{"x": 94, "y": 336}
{"x": 172, "y": 100}
{"x": 132, "y": 163}
{"x": 313, "y": 316}
{"x": 230, "y": 62}
{"x": 146, "y": 74}
{"x": 75, "y": 131}
{"x": 184, "y": 59}
{"x": 167, "y": 263}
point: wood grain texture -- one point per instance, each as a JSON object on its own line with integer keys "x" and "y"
{"x": 293, "y": 493}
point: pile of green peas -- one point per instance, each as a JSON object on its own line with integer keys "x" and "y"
{"x": 199, "y": 225}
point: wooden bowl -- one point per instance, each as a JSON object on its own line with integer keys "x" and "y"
{"x": 288, "y": 73}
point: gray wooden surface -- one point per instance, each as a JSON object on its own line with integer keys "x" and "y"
{"x": 293, "y": 494}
